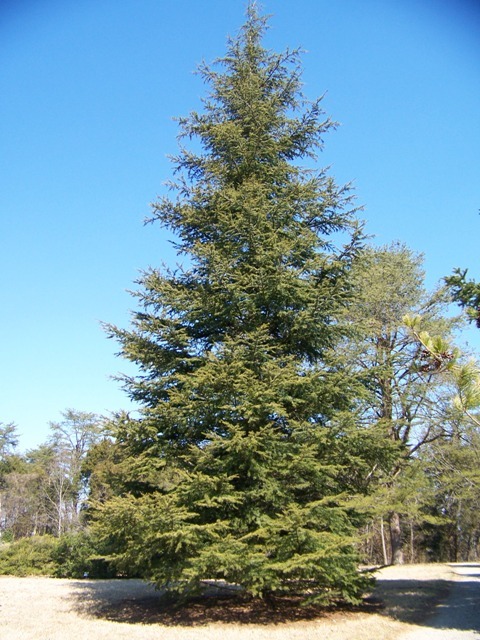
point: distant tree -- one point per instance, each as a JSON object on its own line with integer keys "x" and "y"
{"x": 404, "y": 394}
{"x": 43, "y": 491}
{"x": 10, "y": 462}
{"x": 246, "y": 449}
{"x": 9, "y": 459}
{"x": 22, "y": 512}
{"x": 454, "y": 466}
{"x": 71, "y": 439}
{"x": 67, "y": 447}
{"x": 452, "y": 462}
{"x": 103, "y": 471}
{"x": 23, "y": 509}
{"x": 8, "y": 439}
{"x": 466, "y": 293}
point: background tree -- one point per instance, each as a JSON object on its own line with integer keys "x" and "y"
{"x": 57, "y": 491}
{"x": 452, "y": 462}
{"x": 9, "y": 459}
{"x": 454, "y": 465}
{"x": 105, "y": 467}
{"x": 404, "y": 394}
{"x": 466, "y": 293}
{"x": 8, "y": 440}
{"x": 24, "y": 512}
{"x": 11, "y": 463}
{"x": 247, "y": 443}
{"x": 43, "y": 490}
{"x": 70, "y": 440}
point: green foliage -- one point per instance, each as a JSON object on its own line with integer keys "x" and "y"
{"x": 71, "y": 556}
{"x": 28, "y": 556}
{"x": 454, "y": 466}
{"x": 102, "y": 472}
{"x": 76, "y": 555}
{"x": 8, "y": 439}
{"x": 440, "y": 356}
{"x": 436, "y": 353}
{"x": 246, "y": 446}
{"x": 406, "y": 391}
{"x": 467, "y": 380}
{"x": 8, "y": 444}
{"x": 466, "y": 293}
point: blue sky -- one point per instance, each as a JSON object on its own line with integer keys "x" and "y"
{"x": 88, "y": 93}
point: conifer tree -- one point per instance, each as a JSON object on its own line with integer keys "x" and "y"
{"x": 466, "y": 293}
{"x": 245, "y": 449}
{"x": 406, "y": 394}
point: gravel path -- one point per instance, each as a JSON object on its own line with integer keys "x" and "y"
{"x": 458, "y": 618}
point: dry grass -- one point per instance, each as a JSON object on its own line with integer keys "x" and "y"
{"x": 49, "y": 609}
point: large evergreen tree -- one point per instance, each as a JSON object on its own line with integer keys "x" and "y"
{"x": 239, "y": 465}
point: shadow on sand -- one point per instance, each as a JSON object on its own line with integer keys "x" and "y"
{"x": 137, "y": 603}
{"x": 462, "y": 610}
{"x": 131, "y": 601}
{"x": 456, "y": 604}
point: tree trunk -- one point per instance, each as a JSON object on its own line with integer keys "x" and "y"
{"x": 396, "y": 538}
{"x": 384, "y": 545}
{"x": 412, "y": 543}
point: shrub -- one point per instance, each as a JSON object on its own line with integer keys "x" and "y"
{"x": 28, "y": 556}
{"x": 76, "y": 554}
{"x": 73, "y": 555}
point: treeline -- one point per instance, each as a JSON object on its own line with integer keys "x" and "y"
{"x": 44, "y": 499}
{"x": 45, "y": 490}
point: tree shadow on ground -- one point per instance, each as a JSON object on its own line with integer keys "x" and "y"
{"x": 409, "y": 600}
{"x": 138, "y": 603}
{"x": 145, "y": 606}
{"x": 462, "y": 611}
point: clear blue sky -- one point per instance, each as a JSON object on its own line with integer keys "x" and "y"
{"x": 88, "y": 90}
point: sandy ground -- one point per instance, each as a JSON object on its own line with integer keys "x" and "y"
{"x": 458, "y": 617}
{"x": 53, "y": 609}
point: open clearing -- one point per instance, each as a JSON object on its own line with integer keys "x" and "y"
{"x": 57, "y": 609}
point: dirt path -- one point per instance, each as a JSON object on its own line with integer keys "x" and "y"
{"x": 458, "y": 618}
